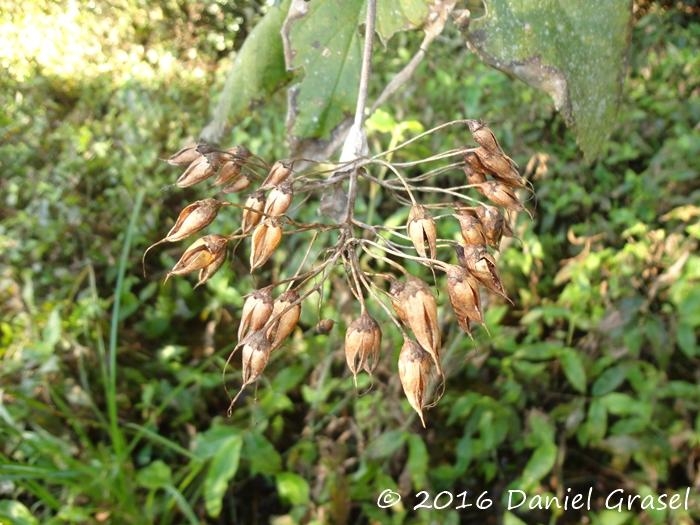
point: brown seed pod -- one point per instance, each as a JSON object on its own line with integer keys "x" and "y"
{"x": 414, "y": 373}
{"x": 208, "y": 250}
{"x": 396, "y": 289}
{"x": 324, "y": 326}
{"x": 185, "y": 156}
{"x": 500, "y": 194}
{"x": 207, "y": 272}
{"x": 238, "y": 184}
{"x": 257, "y": 310}
{"x": 501, "y": 167}
{"x": 363, "y": 340}
{"x": 473, "y": 168}
{"x": 484, "y": 137}
{"x": 464, "y": 297}
{"x": 265, "y": 239}
{"x": 239, "y": 154}
{"x": 252, "y": 212}
{"x": 279, "y": 199}
{"x": 255, "y": 354}
{"x": 421, "y": 230}
{"x": 279, "y": 172}
{"x": 229, "y": 171}
{"x": 193, "y": 218}
{"x": 233, "y": 160}
{"x": 417, "y": 308}
{"x": 493, "y": 223}
{"x": 200, "y": 169}
{"x": 482, "y": 266}
{"x": 286, "y": 311}
{"x": 470, "y": 226}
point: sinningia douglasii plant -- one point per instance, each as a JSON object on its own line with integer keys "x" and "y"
{"x": 476, "y": 189}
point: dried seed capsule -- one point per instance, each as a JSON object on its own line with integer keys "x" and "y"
{"x": 238, "y": 184}
{"x": 493, "y": 223}
{"x": 279, "y": 199}
{"x": 473, "y": 168}
{"x": 324, "y": 326}
{"x": 484, "y": 137}
{"x": 414, "y": 372}
{"x": 396, "y": 293}
{"x": 254, "y": 357}
{"x": 470, "y": 226}
{"x": 200, "y": 169}
{"x": 207, "y": 272}
{"x": 257, "y": 310}
{"x": 208, "y": 250}
{"x": 185, "y": 156}
{"x": 464, "y": 297}
{"x": 239, "y": 154}
{"x": 229, "y": 171}
{"x": 233, "y": 161}
{"x": 417, "y": 308}
{"x": 363, "y": 341}
{"x": 252, "y": 212}
{"x": 502, "y": 167}
{"x": 421, "y": 230}
{"x": 193, "y": 218}
{"x": 265, "y": 239}
{"x": 500, "y": 194}
{"x": 481, "y": 264}
{"x": 286, "y": 311}
{"x": 279, "y": 172}
{"x": 255, "y": 354}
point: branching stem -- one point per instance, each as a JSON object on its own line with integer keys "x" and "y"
{"x": 366, "y": 64}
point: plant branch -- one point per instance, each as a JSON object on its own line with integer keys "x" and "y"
{"x": 436, "y": 24}
{"x": 366, "y": 63}
{"x": 440, "y": 11}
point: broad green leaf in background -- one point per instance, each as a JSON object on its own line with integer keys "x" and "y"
{"x": 386, "y": 444}
{"x": 16, "y": 513}
{"x": 261, "y": 454}
{"x": 575, "y": 51}
{"x": 325, "y": 46}
{"x": 258, "y": 71}
{"x": 222, "y": 468}
{"x": 539, "y": 465}
{"x": 292, "y": 488}
{"x": 610, "y": 379}
{"x": 399, "y": 15}
{"x": 572, "y": 364}
{"x": 418, "y": 459}
{"x": 155, "y": 476}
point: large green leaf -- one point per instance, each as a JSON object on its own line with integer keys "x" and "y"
{"x": 399, "y": 15}
{"x": 325, "y": 45}
{"x": 258, "y": 71}
{"x": 573, "y": 50}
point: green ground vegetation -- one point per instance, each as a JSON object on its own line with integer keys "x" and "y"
{"x": 112, "y": 404}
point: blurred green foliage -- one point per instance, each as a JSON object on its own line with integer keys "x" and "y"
{"x": 591, "y": 380}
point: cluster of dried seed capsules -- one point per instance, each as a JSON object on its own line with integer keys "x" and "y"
{"x": 266, "y": 322}
{"x": 493, "y": 174}
{"x": 262, "y": 212}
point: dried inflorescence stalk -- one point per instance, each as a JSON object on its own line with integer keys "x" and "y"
{"x": 468, "y": 262}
